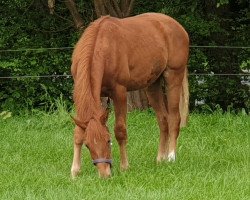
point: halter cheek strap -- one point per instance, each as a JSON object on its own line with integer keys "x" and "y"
{"x": 102, "y": 160}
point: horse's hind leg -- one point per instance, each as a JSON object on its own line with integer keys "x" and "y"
{"x": 119, "y": 97}
{"x": 156, "y": 100}
{"x": 174, "y": 78}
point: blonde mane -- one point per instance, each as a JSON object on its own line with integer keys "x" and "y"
{"x": 81, "y": 69}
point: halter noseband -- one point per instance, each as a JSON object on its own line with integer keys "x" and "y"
{"x": 102, "y": 160}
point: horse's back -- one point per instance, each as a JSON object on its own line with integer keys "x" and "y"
{"x": 170, "y": 25}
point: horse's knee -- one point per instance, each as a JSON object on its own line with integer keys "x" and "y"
{"x": 78, "y": 137}
{"x": 120, "y": 133}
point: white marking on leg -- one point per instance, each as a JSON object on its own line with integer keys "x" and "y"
{"x": 76, "y": 165}
{"x": 171, "y": 156}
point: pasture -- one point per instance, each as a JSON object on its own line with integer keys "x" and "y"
{"x": 212, "y": 160}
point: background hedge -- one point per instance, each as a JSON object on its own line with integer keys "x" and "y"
{"x": 28, "y": 25}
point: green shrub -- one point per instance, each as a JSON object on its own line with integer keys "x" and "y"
{"x": 25, "y": 25}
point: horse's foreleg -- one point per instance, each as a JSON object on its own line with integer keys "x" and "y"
{"x": 119, "y": 97}
{"x": 174, "y": 84}
{"x": 76, "y": 164}
{"x": 156, "y": 100}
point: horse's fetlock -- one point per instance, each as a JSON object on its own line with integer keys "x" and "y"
{"x": 75, "y": 171}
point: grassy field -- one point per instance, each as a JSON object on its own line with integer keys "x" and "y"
{"x": 212, "y": 160}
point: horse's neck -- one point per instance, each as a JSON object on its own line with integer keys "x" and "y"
{"x": 96, "y": 76}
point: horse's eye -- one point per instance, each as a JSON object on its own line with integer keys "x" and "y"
{"x": 110, "y": 142}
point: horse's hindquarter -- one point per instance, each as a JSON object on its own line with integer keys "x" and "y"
{"x": 177, "y": 40}
{"x": 138, "y": 50}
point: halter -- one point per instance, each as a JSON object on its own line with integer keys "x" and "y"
{"x": 102, "y": 160}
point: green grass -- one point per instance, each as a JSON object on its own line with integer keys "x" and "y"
{"x": 212, "y": 161}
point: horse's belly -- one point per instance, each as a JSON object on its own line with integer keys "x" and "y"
{"x": 143, "y": 77}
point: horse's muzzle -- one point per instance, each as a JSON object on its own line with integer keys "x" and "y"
{"x": 104, "y": 170}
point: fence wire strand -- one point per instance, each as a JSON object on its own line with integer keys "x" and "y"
{"x": 220, "y": 47}
{"x": 35, "y": 49}
{"x": 39, "y": 76}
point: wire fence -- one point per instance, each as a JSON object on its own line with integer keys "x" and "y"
{"x": 70, "y": 48}
{"x": 69, "y": 76}
{"x": 36, "y": 49}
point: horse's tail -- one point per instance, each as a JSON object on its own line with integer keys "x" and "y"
{"x": 184, "y": 100}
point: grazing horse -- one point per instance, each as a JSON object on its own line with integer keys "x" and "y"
{"x": 118, "y": 55}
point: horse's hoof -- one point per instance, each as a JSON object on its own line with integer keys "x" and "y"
{"x": 74, "y": 174}
{"x": 124, "y": 167}
{"x": 160, "y": 158}
{"x": 171, "y": 156}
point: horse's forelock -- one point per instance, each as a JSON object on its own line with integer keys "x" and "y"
{"x": 95, "y": 129}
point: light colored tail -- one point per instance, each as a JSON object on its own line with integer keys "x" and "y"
{"x": 184, "y": 100}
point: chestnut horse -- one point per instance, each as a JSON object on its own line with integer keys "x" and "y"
{"x": 118, "y": 55}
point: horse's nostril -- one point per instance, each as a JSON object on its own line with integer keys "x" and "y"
{"x": 104, "y": 170}
{"x": 105, "y": 174}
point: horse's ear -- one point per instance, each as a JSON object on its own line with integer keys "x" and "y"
{"x": 79, "y": 123}
{"x": 104, "y": 117}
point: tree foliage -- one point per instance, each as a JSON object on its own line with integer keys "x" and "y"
{"x": 43, "y": 23}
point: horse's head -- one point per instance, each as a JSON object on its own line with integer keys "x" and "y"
{"x": 97, "y": 139}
